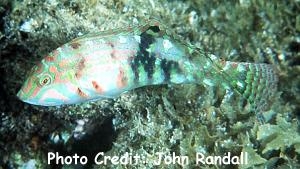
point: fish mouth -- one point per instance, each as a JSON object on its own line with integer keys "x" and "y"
{"x": 21, "y": 95}
{"x": 24, "y": 98}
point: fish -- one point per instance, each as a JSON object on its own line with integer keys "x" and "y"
{"x": 106, "y": 64}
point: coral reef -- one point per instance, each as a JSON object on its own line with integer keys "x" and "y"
{"x": 180, "y": 119}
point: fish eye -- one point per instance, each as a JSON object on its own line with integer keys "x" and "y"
{"x": 45, "y": 80}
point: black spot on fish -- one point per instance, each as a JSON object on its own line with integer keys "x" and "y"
{"x": 143, "y": 57}
{"x": 167, "y": 66}
{"x": 134, "y": 66}
{"x": 155, "y": 29}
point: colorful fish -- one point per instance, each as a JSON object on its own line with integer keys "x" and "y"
{"x": 106, "y": 64}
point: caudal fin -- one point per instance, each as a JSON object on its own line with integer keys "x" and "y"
{"x": 256, "y": 82}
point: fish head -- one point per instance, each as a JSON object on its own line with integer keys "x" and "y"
{"x": 48, "y": 84}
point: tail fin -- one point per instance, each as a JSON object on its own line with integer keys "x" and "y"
{"x": 256, "y": 82}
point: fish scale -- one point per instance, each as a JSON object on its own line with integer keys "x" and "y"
{"x": 106, "y": 64}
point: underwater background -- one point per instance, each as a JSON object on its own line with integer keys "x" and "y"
{"x": 184, "y": 119}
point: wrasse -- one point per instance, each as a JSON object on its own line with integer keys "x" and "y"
{"x": 106, "y": 64}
